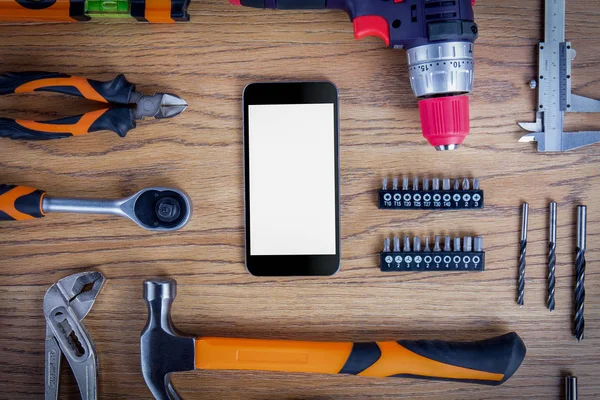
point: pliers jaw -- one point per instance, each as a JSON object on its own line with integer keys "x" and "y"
{"x": 159, "y": 106}
{"x": 66, "y": 303}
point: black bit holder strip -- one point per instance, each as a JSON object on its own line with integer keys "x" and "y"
{"x": 432, "y": 261}
{"x": 428, "y": 195}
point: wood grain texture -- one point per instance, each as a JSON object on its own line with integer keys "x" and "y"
{"x": 208, "y": 62}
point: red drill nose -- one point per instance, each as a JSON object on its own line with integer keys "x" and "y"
{"x": 445, "y": 121}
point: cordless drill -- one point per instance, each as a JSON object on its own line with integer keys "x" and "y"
{"x": 438, "y": 36}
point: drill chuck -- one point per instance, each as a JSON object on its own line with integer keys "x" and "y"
{"x": 439, "y": 73}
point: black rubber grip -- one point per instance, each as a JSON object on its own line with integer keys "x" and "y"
{"x": 500, "y": 355}
{"x": 12, "y": 80}
{"x": 9, "y": 128}
{"x": 118, "y": 120}
{"x": 20, "y": 203}
{"x": 286, "y": 4}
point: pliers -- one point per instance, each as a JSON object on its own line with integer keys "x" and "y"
{"x": 127, "y": 105}
{"x": 66, "y": 303}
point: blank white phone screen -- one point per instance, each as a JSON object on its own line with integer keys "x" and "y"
{"x": 292, "y": 179}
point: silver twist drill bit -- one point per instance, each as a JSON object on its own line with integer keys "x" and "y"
{"x": 552, "y": 257}
{"x": 404, "y": 183}
{"x": 522, "y": 254}
{"x": 435, "y": 184}
{"x": 416, "y": 184}
{"x": 571, "y": 387}
{"x": 468, "y": 244}
{"x": 476, "y": 183}
{"x": 386, "y": 245}
{"x": 427, "y": 248}
{"x": 446, "y": 184}
{"x": 466, "y": 185}
{"x": 417, "y": 244}
{"x": 395, "y": 184}
{"x": 579, "y": 323}
{"x": 384, "y": 186}
{"x": 396, "y": 244}
{"x": 478, "y": 243}
{"x": 425, "y": 183}
{"x": 406, "y": 244}
{"x": 436, "y": 245}
{"x": 447, "y": 243}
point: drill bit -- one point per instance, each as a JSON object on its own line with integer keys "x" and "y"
{"x": 579, "y": 322}
{"x": 571, "y": 387}
{"x": 552, "y": 257}
{"x": 522, "y": 253}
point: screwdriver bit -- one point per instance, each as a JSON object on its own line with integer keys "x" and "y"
{"x": 478, "y": 243}
{"x": 436, "y": 246}
{"x": 427, "y": 248}
{"x": 522, "y": 254}
{"x": 417, "y": 244}
{"x": 406, "y": 244}
{"x": 386, "y": 245}
{"x": 447, "y": 243}
{"x": 384, "y": 186}
{"x": 395, "y": 184}
{"x": 435, "y": 184}
{"x": 457, "y": 244}
{"x": 476, "y": 183}
{"x": 465, "y": 184}
{"x": 396, "y": 244}
{"x": 404, "y": 183}
{"x": 552, "y": 257}
{"x": 416, "y": 184}
{"x": 467, "y": 244}
{"x": 456, "y": 184}
{"x": 425, "y": 184}
{"x": 446, "y": 184}
{"x": 579, "y": 322}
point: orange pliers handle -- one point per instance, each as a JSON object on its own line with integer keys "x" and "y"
{"x": 117, "y": 92}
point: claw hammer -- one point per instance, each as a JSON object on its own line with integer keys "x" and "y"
{"x": 165, "y": 350}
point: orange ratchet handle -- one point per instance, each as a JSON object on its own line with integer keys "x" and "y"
{"x": 489, "y": 362}
{"x": 19, "y": 203}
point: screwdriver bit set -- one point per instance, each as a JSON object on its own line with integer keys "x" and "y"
{"x": 447, "y": 257}
{"x": 425, "y": 195}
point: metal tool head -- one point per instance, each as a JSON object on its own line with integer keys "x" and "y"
{"x": 66, "y": 303}
{"x": 158, "y": 208}
{"x": 77, "y": 291}
{"x": 159, "y": 106}
{"x": 164, "y": 349}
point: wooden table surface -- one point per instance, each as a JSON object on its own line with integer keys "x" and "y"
{"x": 208, "y": 62}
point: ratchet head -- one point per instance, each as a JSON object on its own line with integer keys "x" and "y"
{"x": 159, "y": 209}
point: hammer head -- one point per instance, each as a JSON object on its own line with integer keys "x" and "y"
{"x": 164, "y": 349}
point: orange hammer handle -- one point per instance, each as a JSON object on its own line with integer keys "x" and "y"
{"x": 20, "y": 203}
{"x": 490, "y": 361}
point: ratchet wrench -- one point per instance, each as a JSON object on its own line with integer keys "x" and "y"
{"x": 155, "y": 208}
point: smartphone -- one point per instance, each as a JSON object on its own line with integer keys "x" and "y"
{"x": 291, "y": 158}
